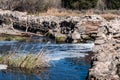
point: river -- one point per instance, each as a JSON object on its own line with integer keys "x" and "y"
{"x": 68, "y": 61}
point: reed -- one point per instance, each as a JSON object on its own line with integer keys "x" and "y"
{"x": 26, "y": 61}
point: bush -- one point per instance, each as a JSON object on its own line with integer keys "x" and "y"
{"x": 29, "y": 5}
{"x": 79, "y": 4}
{"x": 43, "y": 5}
{"x": 113, "y": 4}
{"x": 88, "y": 4}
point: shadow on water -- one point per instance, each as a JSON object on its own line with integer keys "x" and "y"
{"x": 68, "y": 61}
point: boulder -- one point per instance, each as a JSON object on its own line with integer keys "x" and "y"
{"x": 76, "y": 35}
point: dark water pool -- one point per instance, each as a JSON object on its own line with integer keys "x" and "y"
{"x": 68, "y": 61}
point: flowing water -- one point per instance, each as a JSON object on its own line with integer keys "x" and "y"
{"x": 68, "y": 61}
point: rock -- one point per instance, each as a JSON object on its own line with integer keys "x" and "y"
{"x": 99, "y": 42}
{"x": 93, "y": 18}
{"x": 107, "y": 58}
{"x": 76, "y": 35}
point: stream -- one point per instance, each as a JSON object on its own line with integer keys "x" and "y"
{"x": 68, "y": 61}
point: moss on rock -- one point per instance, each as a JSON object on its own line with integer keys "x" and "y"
{"x": 60, "y": 39}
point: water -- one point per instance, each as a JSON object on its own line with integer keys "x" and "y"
{"x": 68, "y": 61}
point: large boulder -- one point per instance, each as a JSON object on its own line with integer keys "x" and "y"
{"x": 76, "y": 35}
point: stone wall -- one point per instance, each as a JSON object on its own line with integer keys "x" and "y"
{"x": 69, "y": 28}
{"x": 106, "y": 61}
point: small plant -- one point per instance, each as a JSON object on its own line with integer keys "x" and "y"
{"x": 10, "y": 38}
{"x": 60, "y": 39}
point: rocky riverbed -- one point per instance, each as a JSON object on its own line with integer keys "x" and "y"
{"x": 62, "y": 29}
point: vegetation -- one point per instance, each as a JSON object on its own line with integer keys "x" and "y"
{"x": 60, "y": 39}
{"x": 10, "y": 37}
{"x": 43, "y": 5}
{"x": 25, "y": 61}
{"x": 79, "y": 4}
{"x": 29, "y": 5}
{"x": 88, "y": 4}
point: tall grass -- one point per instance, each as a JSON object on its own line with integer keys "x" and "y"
{"x": 25, "y": 61}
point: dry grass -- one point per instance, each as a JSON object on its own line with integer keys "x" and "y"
{"x": 63, "y": 12}
{"x": 25, "y": 61}
{"x": 109, "y": 16}
{"x": 89, "y": 12}
{"x": 60, "y": 12}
